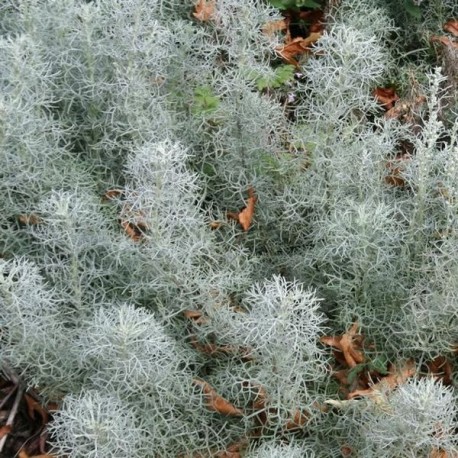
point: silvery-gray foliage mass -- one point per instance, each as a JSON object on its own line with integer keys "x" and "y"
{"x": 140, "y": 98}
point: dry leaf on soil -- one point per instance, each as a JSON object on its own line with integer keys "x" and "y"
{"x": 216, "y": 402}
{"x": 299, "y": 420}
{"x": 439, "y": 453}
{"x": 204, "y": 10}
{"x": 4, "y": 430}
{"x": 245, "y": 216}
{"x": 386, "y": 96}
{"x": 274, "y": 26}
{"x": 451, "y": 26}
{"x": 446, "y": 41}
{"x": 196, "y": 316}
{"x": 315, "y": 18}
{"x": 24, "y": 454}
{"x": 441, "y": 367}
{"x": 111, "y": 194}
{"x": 296, "y": 47}
{"x": 134, "y": 231}
{"x": 29, "y": 220}
{"x": 211, "y": 349}
{"x": 347, "y": 344}
{"x": 346, "y": 450}
{"x": 396, "y": 169}
{"x": 33, "y": 406}
{"x": 390, "y": 382}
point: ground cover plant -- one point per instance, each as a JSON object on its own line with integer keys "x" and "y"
{"x": 229, "y": 228}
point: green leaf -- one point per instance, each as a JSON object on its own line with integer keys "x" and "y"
{"x": 208, "y": 169}
{"x": 412, "y": 9}
{"x": 285, "y": 4}
{"x": 379, "y": 364}
{"x": 354, "y": 371}
{"x": 278, "y": 3}
{"x": 282, "y": 74}
{"x": 204, "y": 100}
{"x": 308, "y": 4}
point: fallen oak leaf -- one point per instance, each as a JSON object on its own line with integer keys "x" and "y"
{"x": 5, "y": 430}
{"x": 315, "y": 18}
{"x": 390, "y": 382}
{"x": 346, "y": 450}
{"x": 24, "y": 454}
{"x": 196, "y": 316}
{"x": 33, "y": 406}
{"x": 216, "y": 402}
{"x": 441, "y": 367}
{"x": 346, "y": 344}
{"x": 29, "y": 220}
{"x": 396, "y": 168}
{"x": 204, "y": 10}
{"x": 446, "y": 41}
{"x": 259, "y": 403}
{"x": 232, "y": 450}
{"x": 218, "y": 350}
{"x": 386, "y": 96}
{"x": 133, "y": 222}
{"x": 405, "y": 110}
{"x": 296, "y": 47}
{"x": 451, "y": 26}
{"x": 245, "y": 216}
{"x": 134, "y": 231}
{"x": 274, "y": 26}
{"x": 46, "y": 455}
{"x": 215, "y": 225}
{"x": 439, "y": 453}
{"x": 112, "y": 194}
{"x": 298, "y": 421}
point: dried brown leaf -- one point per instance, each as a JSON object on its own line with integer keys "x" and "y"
{"x": 5, "y": 430}
{"x": 29, "y": 220}
{"x": 132, "y": 230}
{"x": 274, "y": 26}
{"x": 406, "y": 110}
{"x": 216, "y": 402}
{"x": 439, "y": 453}
{"x": 297, "y": 46}
{"x": 215, "y": 225}
{"x": 346, "y": 451}
{"x": 388, "y": 383}
{"x": 24, "y": 454}
{"x": 396, "y": 169}
{"x": 298, "y": 421}
{"x": 245, "y": 216}
{"x": 446, "y": 41}
{"x": 386, "y": 96}
{"x": 111, "y": 194}
{"x": 441, "y": 367}
{"x": 204, "y": 10}
{"x": 315, "y": 18}
{"x": 33, "y": 406}
{"x": 451, "y": 26}
{"x": 348, "y": 344}
{"x": 195, "y": 315}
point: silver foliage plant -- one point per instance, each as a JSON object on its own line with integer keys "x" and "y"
{"x": 128, "y": 130}
{"x": 418, "y": 419}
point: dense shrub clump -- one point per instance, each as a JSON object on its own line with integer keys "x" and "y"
{"x": 131, "y": 134}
